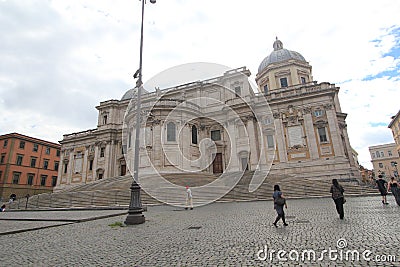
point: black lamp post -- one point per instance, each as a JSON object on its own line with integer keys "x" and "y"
{"x": 135, "y": 215}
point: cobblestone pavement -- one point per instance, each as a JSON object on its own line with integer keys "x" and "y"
{"x": 20, "y": 221}
{"x": 220, "y": 234}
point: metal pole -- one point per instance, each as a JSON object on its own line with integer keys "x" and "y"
{"x": 135, "y": 215}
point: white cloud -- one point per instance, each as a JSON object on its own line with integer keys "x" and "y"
{"x": 61, "y": 58}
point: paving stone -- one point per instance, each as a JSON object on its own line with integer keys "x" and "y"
{"x": 230, "y": 234}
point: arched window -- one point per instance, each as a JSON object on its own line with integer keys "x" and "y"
{"x": 171, "y": 131}
{"x": 194, "y": 134}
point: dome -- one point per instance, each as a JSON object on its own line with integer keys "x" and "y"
{"x": 278, "y": 55}
{"x": 132, "y": 93}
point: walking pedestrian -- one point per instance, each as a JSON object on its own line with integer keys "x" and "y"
{"x": 189, "y": 198}
{"x": 393, "y": 186}
{"x": 382, "y": 188}
{"x": 338, "y": 197}
{"x": 279, "y": 202}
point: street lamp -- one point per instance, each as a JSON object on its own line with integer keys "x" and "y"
{"x": 135, "y": 215}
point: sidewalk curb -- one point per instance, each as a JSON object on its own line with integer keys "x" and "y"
{"x": 66, "y": 222}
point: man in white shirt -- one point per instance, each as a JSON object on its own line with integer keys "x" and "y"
{"x": 189, "y": 200}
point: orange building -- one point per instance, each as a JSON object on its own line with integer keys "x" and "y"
{"x": 27, "y": 165}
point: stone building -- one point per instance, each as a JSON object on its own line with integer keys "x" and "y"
{"x": 394, "y": 125}
{"x": 385, "y": 159}
{"x": 291, "y": 125}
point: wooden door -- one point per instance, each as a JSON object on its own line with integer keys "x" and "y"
{"x": 217, "y": 163}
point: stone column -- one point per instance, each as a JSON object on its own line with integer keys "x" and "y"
{"x": 234, "y": 162}
{"x": 157, "y": 156}
{"x": 343, "y": 126}
{"x": 264, "y": 159}
{"x": 184, "y": 149}
{"x": 70, "y": 169}
{"x": 310, "y": 133}
{"x": 254, "y": 149}
{"x": 280, "y": 138}
{"x": 335, "y": 133}
{"x": 84, "y": 165}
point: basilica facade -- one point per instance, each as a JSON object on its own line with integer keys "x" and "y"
{"x": 290, "y": 125}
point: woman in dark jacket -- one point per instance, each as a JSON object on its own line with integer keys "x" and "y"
{"x": 279, "y": 207}
{"x": 393, "y": 186}
{"x": 337, "y": 195}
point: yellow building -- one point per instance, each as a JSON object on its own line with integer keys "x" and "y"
{"x": 385, "y": 159}
{"x": 395, "y": 127}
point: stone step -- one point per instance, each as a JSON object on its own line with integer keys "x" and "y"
{"x": 116, "y": 191}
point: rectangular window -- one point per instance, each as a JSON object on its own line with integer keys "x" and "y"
{"x": 216, "y": 135}
{"x": 90, "y": 165}
{"x": 266, "y": 89}
{"x": 303, "y": 80}
{"x": 270, "y": 141}
{"x": 58, "y": 152}
{"x": 19, "y": 160}
{"x": 373, "y": 155}
{"x": 1, "y": 174}
{"x": 53, "y": 181}
{"x": 380, "y": 165}
{"x": 5, "y": 143}
{"x": 382, "y": 154}
{"x": 30, "y": 178}
{"x": 48, "y": 150}
{"x": 284, "y": 82}
{"x": 390, "y": 153}
{"x": 35, "y": 147}
{"x": 129, "y": 139}
{"x": 65, "y": 167}
{"x": 102, "y": 152}
{"x": 33, "y": 162}
{"x": 378, "y": 155}
{"x": 171, "y": 132}
{"x": 22, "y": 144}
{"x": 238, "y": 91}
{"x": 43, "y": 179}
{"x": 194, "y": 134}
{"x": 56, "y": 164}
{"x": 322, "y": 135}
{"x": 45, "y": 164}
{"x": 3, "y": 156}
{"x": 16, "y": 177}
{"x": 318, "y": 113}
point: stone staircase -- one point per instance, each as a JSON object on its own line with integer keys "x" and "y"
{"x": 115, "y": 192}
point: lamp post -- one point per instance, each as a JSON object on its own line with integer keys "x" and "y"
{"x": 135, "y": 215}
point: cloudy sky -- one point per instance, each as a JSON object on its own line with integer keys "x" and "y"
{"x": 59, "y": 59}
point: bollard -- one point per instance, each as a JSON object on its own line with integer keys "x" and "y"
{"x": 27, "y": 198}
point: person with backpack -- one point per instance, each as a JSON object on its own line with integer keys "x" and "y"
{"x": 382, "y": 188}
{"x": 338, "y": 197}
{"x": 279, "y": 202}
